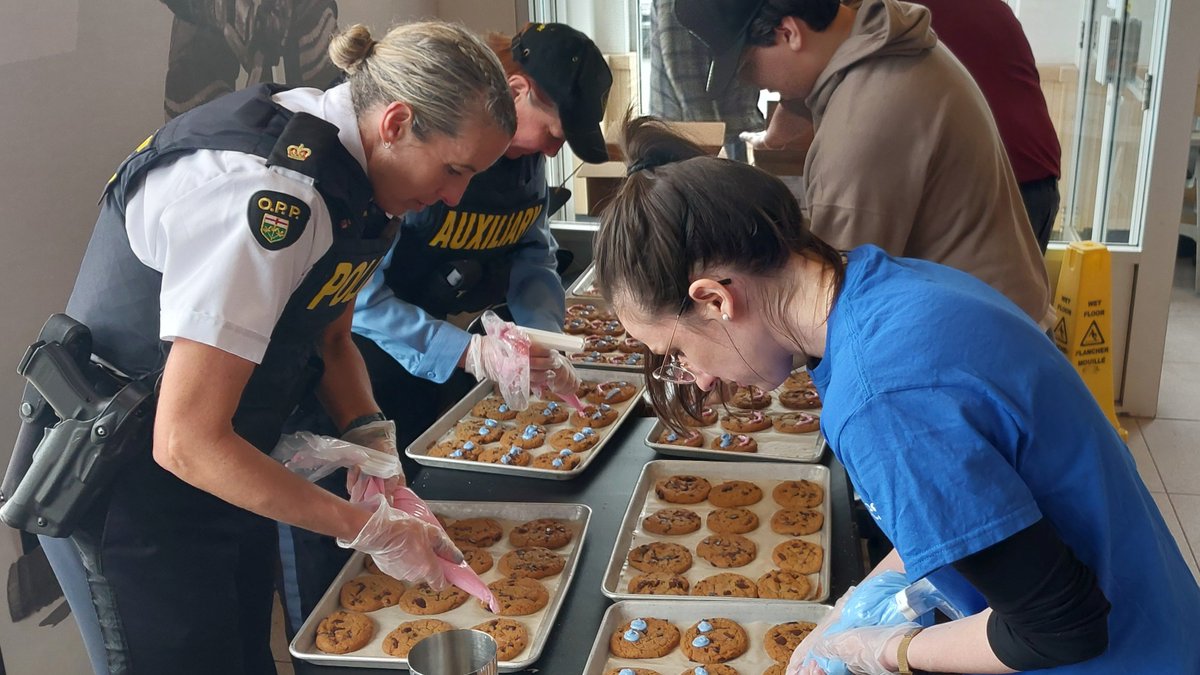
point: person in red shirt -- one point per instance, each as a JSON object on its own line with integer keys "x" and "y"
{"x": 988, "y": 39}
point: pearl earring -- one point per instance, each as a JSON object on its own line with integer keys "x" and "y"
{"x": 724, "y": 317}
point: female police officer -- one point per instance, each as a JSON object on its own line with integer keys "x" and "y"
{"x": 971, "y": 439}
{"x": 495, "y": 243}
{"x": 228, "y": 253}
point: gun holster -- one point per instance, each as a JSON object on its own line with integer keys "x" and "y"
{"x": 95, "y": 421}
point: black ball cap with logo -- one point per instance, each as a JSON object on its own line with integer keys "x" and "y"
{"x": 569, "y": 67}
{"x": 723, "y": 26}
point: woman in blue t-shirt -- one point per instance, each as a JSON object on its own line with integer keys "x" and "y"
{"x": 971, "y": 440}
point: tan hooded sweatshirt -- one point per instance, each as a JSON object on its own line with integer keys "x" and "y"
{"x": 907, "y": 157}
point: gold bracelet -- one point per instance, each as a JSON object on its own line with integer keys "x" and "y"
{"x": 902, "y": 650}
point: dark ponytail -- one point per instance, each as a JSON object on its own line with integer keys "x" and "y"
{"x": 680, "y": 213}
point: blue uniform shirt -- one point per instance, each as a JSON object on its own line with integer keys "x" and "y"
{"x": 429, "y": 347}
{"x": 961, "y": 424}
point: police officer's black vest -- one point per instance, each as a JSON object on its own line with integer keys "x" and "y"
{"x": 118, "y": 297}
{"x": 458, "y": 259}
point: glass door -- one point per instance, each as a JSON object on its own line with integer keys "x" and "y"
{"x": 1111, "y": 145}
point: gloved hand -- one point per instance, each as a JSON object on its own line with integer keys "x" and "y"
{"x": 381, "y": 437}
{"x": 502, "y": 356}
{"x": 404, "y": 546}
{"x": 557, "y": 374}
{"x": 865, "y": 651}
{"x": 800, "y": 658}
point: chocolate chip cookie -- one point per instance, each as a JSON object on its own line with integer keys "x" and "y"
{"x": 476, "y": 532}
{"x": 511, "y": 637}
{"x": 543, "y": 413}
{"x": 782, "y": 639}
{"x": 682, "y": 489}
{"x": 596, "y": 416}
{"x": 644, "y": 639}
{"x": 751, "y": 398}
{"x": 734, "y": 443}
{"x": 479, "y": 430}
{"x": 742, "y": 422}
{"x": 727, "y": 550}
{"x": 456, "y": 449}
{"x": 563, "y": 460}
{"x": 726, "y": 585}
{"x": 714, "y": 641}
{"x": 545, "y": 532}
{"x": 519, "y": 596}
{"x": 575, "y": 440}
{"x": 799, "y": 379}
{"x": 796, "y": 422}
{"x": 800, "y": 399}
{"x": 369, "y": 592}
{"x": 602, "y": 344}
{"x": 732, "y": 521}
{"x": 797, "y": 522}
{"x": 784, "y": 585}
{"x": 660, "y": 556}
{"x": 711, "y": 669}
{"x": 477, "y": 559}
{"x": 691, "y": 438}
{"x": 659, "y": 583}
{"x": 708, "y": 417}
{"x": 423, "y": 600}
{"x": 735, "y": 493}
{"x": 671, "y": 521}
{"x": 631, "y": 671}
{"x": 401, "y": 640}
{"x": 612, "y": 392}
{"x": 776, "y": 669}
{"x": 797, "y": 555}
{"x": 509, "y": 455}
{"x": 527, "y": 437}
{"x": 534, "y": 562}
{"x": 344, "y": 632}
{"x": 798, "y": 494}
{"x": 494, "y": 407}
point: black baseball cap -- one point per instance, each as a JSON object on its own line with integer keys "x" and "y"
{"x": 722, "y": 25}
{"x": 568, "y": 66}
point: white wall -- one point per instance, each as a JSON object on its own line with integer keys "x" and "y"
{"x": 501, "y": 16}
{"x": 1052, "y": 27}
{"x": 83, "y": 84}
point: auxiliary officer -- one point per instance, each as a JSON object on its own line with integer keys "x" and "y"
{"x": 227, "y": 255}
{"x": 493, "y": 245}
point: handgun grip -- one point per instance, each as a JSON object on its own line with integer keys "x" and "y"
{"x": 53, "y": 371}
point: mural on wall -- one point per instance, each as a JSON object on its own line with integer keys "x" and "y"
{"x": 218, "y": 46}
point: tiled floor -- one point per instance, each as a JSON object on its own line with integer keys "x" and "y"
{"x": 1167, "y": 449}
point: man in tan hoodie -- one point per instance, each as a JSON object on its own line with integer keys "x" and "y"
{"x": 905, "y": 154}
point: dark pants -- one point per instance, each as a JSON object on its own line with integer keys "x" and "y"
{"x": 310, "y": 561}
{"x": 1041, "y": 203}
{"x": 179, "y": 581}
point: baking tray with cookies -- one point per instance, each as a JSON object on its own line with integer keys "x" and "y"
{"x": 606, "y": 344}
{"x": 752, "y": 425}
{"x": 548, "y": 439}
{"x": 698, "y": 531}
{"x": 527, "y": 552}
{"x": 660, "y": 637}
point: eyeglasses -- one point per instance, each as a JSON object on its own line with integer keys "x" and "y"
{"x": 672, "y": 369}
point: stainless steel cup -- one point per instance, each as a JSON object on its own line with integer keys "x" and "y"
{"x": 454, "y": 652}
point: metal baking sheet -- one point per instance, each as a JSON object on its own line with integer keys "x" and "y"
{"x": 509, "y": 514}
{"x": 596, "y": 365}
{"x": 773, "y": 446}
{"x": 584, "y": 286}
{"x": 418, "y": 449}
{"x": 756, "y": 617}
{"x": 766, "y": 476}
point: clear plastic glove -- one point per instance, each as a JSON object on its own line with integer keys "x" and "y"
{"x": 800, "y": 660}
{"x": 865, "y": 651}
{"x": 380, "y": 437}
{"x": 758, "y": 140}
{"x": 561, "y": 379}
{"x": 502, "y": 356}
{"x": 405, "y": 546}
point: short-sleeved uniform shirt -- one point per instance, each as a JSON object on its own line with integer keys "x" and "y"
{"x": 188, "y": 221}
{"x": 961, "y": 424}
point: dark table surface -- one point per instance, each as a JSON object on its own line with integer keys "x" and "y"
{"x": 606, "y": 487}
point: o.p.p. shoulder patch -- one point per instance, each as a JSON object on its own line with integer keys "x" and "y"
{"x": 276, "y": 219}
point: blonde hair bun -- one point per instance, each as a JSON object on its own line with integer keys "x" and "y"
{"x": 350, "y": 49}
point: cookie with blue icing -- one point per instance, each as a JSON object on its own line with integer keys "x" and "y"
{"x": 714, "y": 640}
{"x": 575, "y": 440}
{"x": 644, "y": 638}
{"x": 528, "y": 437}
{"x": 494, "y": 407}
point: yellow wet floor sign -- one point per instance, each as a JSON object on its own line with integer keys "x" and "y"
{"x": 1084, "y": 320}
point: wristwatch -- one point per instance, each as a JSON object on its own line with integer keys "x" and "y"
{"x": 902, "y": 651}
{"x": 362, "y": 421}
